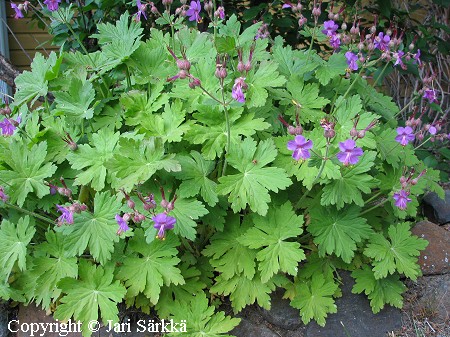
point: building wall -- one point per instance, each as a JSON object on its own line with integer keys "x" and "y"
{"x": 28, "y": 35}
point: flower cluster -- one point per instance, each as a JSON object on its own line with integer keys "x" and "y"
{"x": 401, "y": 197}
{"x": 68, "y": 211}
{"x": 184, "y": 67}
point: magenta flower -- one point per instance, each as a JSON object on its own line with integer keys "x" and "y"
{"x": 141, "y": 11}
{"x": 351, "y": 60}
{"x": 220, "y": 13}
{"x": 123, "y": 225}
{"x": 18, "y": 14}
{"x": 163, "y": 222}
{"x": 52, "y": 5}
{"x": 8, "y": 126}
{"x": 301, "y": 147}
{"x": 405, "y": 135}
{"x": 330, "y": 27}
{"x": 430, "y": 95}
{"x": 237, "y": 92}
{"x": 416, "y": 57}
{"x": 194, "y": 10}
{"x": 432, "y": 130}
{"x": 349, "y": 154}
{"x": 401, "y": 199}
{"x": 398, "y": 59}
{"x": 335, "y": 41}
{"x": 382, "y": 41}
{"x": 3, "y": 196}
{"x": 66, "y": 217}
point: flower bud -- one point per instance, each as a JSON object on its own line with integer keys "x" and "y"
{"x": 248, "y": 66}
{"x": 302, "y": 21}
{"x": 316, "y": 11}
{"x": 208, "y": 6}
{"x": 354, "y": 132}
{"x": 182, "y": 74}
{"x": 154, "y": 10}
{"x": 346, "y": 39}
{"x": 164, "y": 203}
{"x": 411, "y": 46}
{"x": 183, "y": 2}
{"x": 354, "y": 30}
{"x": 414, "y": 181}
{"x": 344, "y": 26}
{"x": 420, "y": 136}
{"x": 195, "y": 83}
{"x": 178, "y": 11}
{"x": 131, "y": 204}
{"x": 83, "y": 207}
{"x": 361, "y": 45}
{"x": 221, "y": 73}
{"x": 330, "y": 16}
{"x": 167, "y": 2}
{"x": 373, "y": 29}
{"x": 183, "y": 64}
{"x": 329, "y": 133}
{"x": 361, "y": 133}
{"x": 138, "y": 217}
{"x": 336, "y": 17}
{"x": 5, "y": 111}
{"x": 370, "y": 46}
{"x": 241, "y": 67}
{"x": 402, "y": 180}
{"x": 298, "y": 130}
{"x": 126, "y": 217}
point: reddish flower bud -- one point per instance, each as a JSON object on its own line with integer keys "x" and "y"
{"x": 361, "y": 133}
{"x": 221, "y": 73}
{"x": 126, "y": 217}
{"x": 354, "y": 132}
{"x": 131, "y": 204}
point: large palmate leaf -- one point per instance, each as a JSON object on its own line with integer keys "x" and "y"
{"x": 155, "y": 266}
{"x": 252, "y": 184}
{"x": 52, "y": 265}
{"x": 27, "y": 171}
{"x": 94, "y": 290}
{"x": 14, "y": 239}
{"x": 93, "y": 158}
{"x": 314, "y": 299}
{"x": 399, "y": 253}
{"x": 338, "y": 231}
{"x": 270, "y": 234}
{"x": 194, "y": 173}
{"x": 379, "y": 291}
{"x": 227, "y": 255}
{"x": 75, "y": 103}
{"x": 203, "y": 320}
{"x": 210, "y": 129}
{"x": 96, "y": 231}
{"x": 137, "y": 160}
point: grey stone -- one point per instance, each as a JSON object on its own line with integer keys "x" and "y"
{"x": 436, "y": 209}
{"x": 435, "y": 258}
{"x": 246, "y": 328}
{"x": 281, "y": 313}
{"x": 354, "y": 313}
{"x": 3, "y": 319}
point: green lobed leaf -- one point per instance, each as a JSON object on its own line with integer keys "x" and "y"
{"x": 96, "y": 231}
{"x": 380, "y": 291}
{"x": 270, "y": 234}
{"x": 314, "y": 299}
{"x": 93, "y": 158}
{"x": 252, "y": 185}
{"x": 148, "y": 266}
{"x": 194, "y": 173}
{"x": 244, "y": 291}
{"x": 14, "y": 239}
{"x": 28, "y": 171}
{"x": 338, "y": 231}
{"x": 227, "y": 255}
{"x": 186, "y": 211}
{"x": 76, "y": 101}
{"x": 94, "y": 290}
{"x": 398, "y": 254}
{"x": 137, "y": 160}
{"x": 335, "y": 66}
{"x": 52, "y": 265}
{"x": 200, "y": 319}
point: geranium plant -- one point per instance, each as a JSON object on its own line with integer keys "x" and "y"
{"x": 160, "y": 172}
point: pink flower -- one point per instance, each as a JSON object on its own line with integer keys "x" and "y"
{"x": 351, "y": 60}
{"x": 382, "y": 42}
{"x": 194, "y": 10}
{"x": 66, "y": 217}
{"x": 163, "y": 222}
{"x": 123, "y": 225}
{"x": 237, "y": 92}
{"x": 398, "y": 59}
{"x": 330, "y": 27}
{"x": 430, "y": 95}
{"x": 9, "y": 125}
{"x": 18, "y": 11}
{"x": 3, "y": 196}
{"x": 405, "y": 135}
{"x": 401, "y": 199}
{"x": 141, "y": 11}
{"x": 349, "y": 152}
{"x": 301, "y": 147}
{"x": 52, "y": 5}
